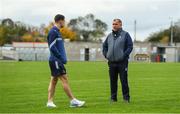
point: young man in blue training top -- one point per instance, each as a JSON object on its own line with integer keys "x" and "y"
{"x": 57, "y": 60}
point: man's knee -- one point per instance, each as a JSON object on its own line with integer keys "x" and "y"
{"x": 64, "y": 80}
{"x": 54, "y": 80}
{"x": 63, "y": 77}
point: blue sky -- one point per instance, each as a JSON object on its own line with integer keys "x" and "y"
{"x": 151, "y": 15}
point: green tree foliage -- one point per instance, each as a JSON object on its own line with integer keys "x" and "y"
{"x": 88, "y": 28}
{"x": 66, "y": 32}
{"x": 165, "y": 35}
{"x": 11, "y": 31}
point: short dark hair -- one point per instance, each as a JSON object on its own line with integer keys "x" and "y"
{"x": 117, "y": 20}
{"x": 59, "y": 17}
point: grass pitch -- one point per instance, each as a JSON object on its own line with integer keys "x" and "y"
{"x": 154, "y": 88}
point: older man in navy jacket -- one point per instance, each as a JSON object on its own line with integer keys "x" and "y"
{"x": 116, "y": 49}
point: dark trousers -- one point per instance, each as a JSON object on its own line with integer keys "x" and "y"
{"x": 120, "y": 68}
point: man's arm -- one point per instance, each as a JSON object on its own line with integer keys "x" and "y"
{"x": 105, "y": 47}
{"x": 129, "y": 45}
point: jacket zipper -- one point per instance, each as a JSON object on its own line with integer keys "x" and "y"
{"x": 113, "y": 49}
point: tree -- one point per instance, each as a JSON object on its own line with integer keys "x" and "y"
{"x": 8, "y": 22}
{"x": 48, "y": 27}
{"x": 164, "y": 35}
{"x": 88, "y": 28}
{"x": 27, "y": 38}
{"x": 8, "y": 30}
{"x": 20, "y": 30}
{"x": 2, "y": 40}
{"x": 66, "y": 32}
{"x": 11, "y": 31}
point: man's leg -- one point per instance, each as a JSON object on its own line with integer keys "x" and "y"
{"x": 51, "y": 91}
{"x": 73, "y": 101}
{"x": 113, "y": 74}
{"x": 123, "y": 70}
{"x": 51, "y": 88}
{"x": 66, "y": 87}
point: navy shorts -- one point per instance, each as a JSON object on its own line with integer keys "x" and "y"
{"x": 57, "y": 68}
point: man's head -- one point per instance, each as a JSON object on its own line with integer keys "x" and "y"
{"x": 117, "y": 24}
{"x": 59, "y": 20}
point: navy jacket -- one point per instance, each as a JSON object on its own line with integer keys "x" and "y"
{"x": 117, "y": 46}
{"x": 56, "y": 46}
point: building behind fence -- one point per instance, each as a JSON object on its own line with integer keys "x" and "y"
{"x": 85, "y": 51}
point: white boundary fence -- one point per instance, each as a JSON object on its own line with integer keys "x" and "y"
{"x": 40, "y": 52}
{"x": 76, "y": 51}
{"x": 1, "y": 56}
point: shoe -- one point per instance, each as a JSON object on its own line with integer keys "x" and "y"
{"x": 126, "y": 100}
{"x": 113, "y": 100}
{"x": 51, "y": 105}
{"x": 76, "y": 103}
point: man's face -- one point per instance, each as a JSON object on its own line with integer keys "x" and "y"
{"x": 116, "y": 25}
{"x": 61, "y": 23}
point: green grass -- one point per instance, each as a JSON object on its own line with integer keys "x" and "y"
{"x": 154, "y": 88}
